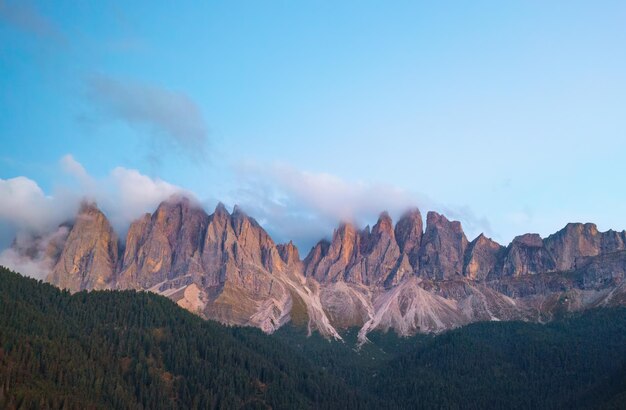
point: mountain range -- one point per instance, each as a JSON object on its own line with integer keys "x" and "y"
{"x": 404, "y": 277}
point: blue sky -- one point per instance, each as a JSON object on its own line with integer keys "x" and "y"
{"x": 510, "y": 116}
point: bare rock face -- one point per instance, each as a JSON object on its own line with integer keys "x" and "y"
{"x": 363, "y": 257}
{"x": 330, "y": 262}
{"x": 443, "y": 248}
{"x": 315, "y": 256}
{"x": 90, "y": 252}
{"x": 379, "y": 253}
{"x": 613, "y": 241}
{"x": 341, "y": 254}
{"x": 527, "y": 255}
{"x": 227, "y": 268}
{"x": 409, "y": 309}
{"x": 572, "y": 244}
{"x": 481, "y": 258}
{"x": 409, "y": 231}
{"x": 288, "y": 253}
{"x": 163, "y": 245}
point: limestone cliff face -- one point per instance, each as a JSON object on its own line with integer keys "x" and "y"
{"x": 409, "y": 232}
{"x": 288, "y": 253}
{"x": 329, "y": 262}
{"x": 363, "y": 257}
{"x": 164, "y": 245}
{"x": 572, "y": 245}
{"x": 226, "y": 267}
{"x": 443, "y": 248}
{"x": 527, "y": 255}
{"x": 481, "y": 258}
{"x": 377, "y": 255}
{"x": 315, "y": 256}
{"x": 90, "y": 252}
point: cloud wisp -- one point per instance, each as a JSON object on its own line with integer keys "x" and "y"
{"x": 28, "y": 18}
{"x": 172, "y": 120}
{"x": 305, "y": 206}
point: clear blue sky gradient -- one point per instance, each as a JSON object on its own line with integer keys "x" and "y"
{"x": 516, "y": 109}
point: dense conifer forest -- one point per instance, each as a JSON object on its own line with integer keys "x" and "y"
{"x": 111, "y": 349}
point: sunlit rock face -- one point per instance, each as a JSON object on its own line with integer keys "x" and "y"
{"x": 573, "y": 244}
{"x": 357, "y": 256}
{"x": 409, "y": 232}
{"x": 164, "y": 245}
{"x": 481, "y": 258}
{"x": 90, "y": 252}
{"x": 527, "y": 255}
{"x": 443, "y": 248}
{"x": 398, "y": 277}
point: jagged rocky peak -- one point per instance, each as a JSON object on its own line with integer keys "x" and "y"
{"x": 345, "y": 241}
{"x": 442, "y": 249}
{"x": 245, "y": 225}
{"x": 164, "y": 245}
{"x": 220, "y": 214}
{"x": 253, "y": 240}
{"x": 288, "y": 253}
{"x": 315, "y": 256}
{"x": 341, "y": 252}
{"x": 527, "y": 255}
{"x": 576, "y": 242}
{"x": 613, "y": 241}
{"x": 481, "y": 258}
{"x": 226, "y": 267}
{"x": 356, "y": 256}
{"x": 573, "y": 243}
{"x": 379, "y": 257}
{"x": 90, "y": 253}
{"x": 382, "y": 230}
{"x": 408, "y": 232}
{"x": 384, "y": 225}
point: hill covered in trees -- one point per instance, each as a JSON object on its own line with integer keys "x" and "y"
{"x": 138, "y": 350}
{"x": 111, "y": 349}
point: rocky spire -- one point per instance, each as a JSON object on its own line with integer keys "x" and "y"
{"x": 409, "y": 231}
{"x": 442, "y": 249}
{"x": 164, "y": 245}
{"x": 526, "y": 255}
{"x": 288, "y": 253}
{"x": 481, "y": 258}
{"x": 89, "y": 256}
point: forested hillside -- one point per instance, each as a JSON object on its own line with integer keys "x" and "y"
{"x": 139, "y": 350}
{"x": 126, "y": 349}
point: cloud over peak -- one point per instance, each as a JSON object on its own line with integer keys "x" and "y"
{"x": 307, "y": 206}
{"x": 124, "y": 194}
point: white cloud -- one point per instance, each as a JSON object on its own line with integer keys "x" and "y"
{"x": 34, "y": 255}
{"x": 129, "y": 194}
{"x": 25, "y": 207}
{"x": 306, "y": 206}
{"x": 291, "y": 204}
{"x": 76, "y": 169}
{"x": 123, "y": 195}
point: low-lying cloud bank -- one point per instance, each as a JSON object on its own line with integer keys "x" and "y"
{"x": 31, "y": 219}
{"x": 291, "y": 204}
